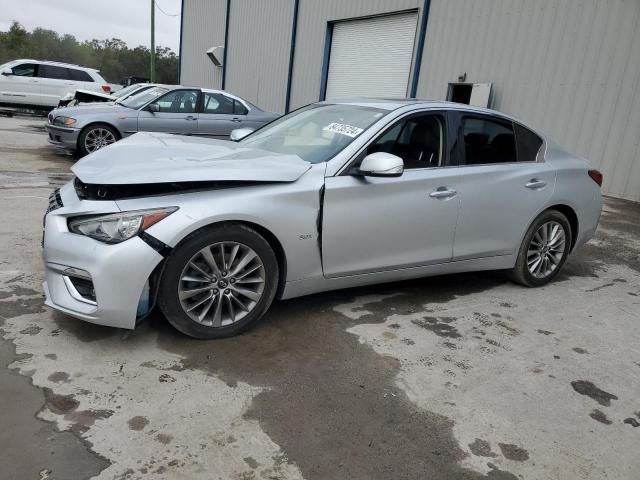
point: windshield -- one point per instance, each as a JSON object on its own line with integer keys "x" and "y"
{"x": 142, "y": 98}
{"x": 123, "y": 92}
{"x": 315, "y": 133}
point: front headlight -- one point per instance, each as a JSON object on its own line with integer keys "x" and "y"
{"x": 64, "y": 121}
{"x": 118, "y": 227}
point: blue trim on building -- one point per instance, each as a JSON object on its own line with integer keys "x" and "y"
{"x": 325, "y": 61}
{"x": 420, "y": 50}
{"x": 180, "y": 46}
{"x": 292, "y": 49}
{"x": 226, "y": 39}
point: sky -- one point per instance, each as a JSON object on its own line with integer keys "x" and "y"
{"x": 128, "y": 20}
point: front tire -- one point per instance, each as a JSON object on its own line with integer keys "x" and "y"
{"x": 219, "y": 282}
{"x": 96, "y": 136}
{"x": 544, "y": 250}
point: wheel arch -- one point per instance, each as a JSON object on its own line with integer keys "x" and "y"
{"x": 93, "y": 124}
{"x": 267, "y": 234}
{"x": 567, "y": 211}
{"x": 572, "y": 217}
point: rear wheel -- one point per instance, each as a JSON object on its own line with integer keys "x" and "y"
{"x": 544, "y": 250}
{"x": 95, "y": 137}
{"x": 219, "y": 282}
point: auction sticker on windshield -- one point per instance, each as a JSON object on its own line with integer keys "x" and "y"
{"x": 343, "y": 129}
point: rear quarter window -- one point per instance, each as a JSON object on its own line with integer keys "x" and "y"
{"x": 239, "y": 109}
{"x": 80, "y": 75}
{"x": 527, "y": 143}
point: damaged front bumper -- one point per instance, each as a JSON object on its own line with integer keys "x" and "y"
{"x": 90, "y": 280}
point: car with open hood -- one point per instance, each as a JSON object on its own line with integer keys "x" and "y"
{"x": 181, "y": 110}
{"x": 84, "y": 96}
{"x": 334, "y": 195}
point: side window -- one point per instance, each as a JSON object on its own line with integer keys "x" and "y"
{"x": 528, "y": 144}
{"x": 418, "y": 140}
{"x": 80, "y": 75}
{"x": 25, "y": 70}
{"x": 52, "y": 71}
{"x": 239, "y": 108}
{"x": 217, "y": 103}
{"x": 178, "y": 101}
{"x": 488, "y": 141}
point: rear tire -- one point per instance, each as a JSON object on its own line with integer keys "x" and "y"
{"x": 96, "y": 136}
{"x": 219, "y": 282}
{"x": 544, "y": 250}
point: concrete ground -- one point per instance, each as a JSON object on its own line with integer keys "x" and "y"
{"x": 457, "y": 377}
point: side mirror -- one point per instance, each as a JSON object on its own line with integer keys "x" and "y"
{"x": 239, "y": 133}
{"x": 381, "y": 164}
{"x": 6, "y": 72}
{"x": 153, "y": 108}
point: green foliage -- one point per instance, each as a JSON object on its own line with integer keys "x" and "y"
{"x": 111, "y": 56}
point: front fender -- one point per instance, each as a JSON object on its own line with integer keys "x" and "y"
{"x": 289, "y": 211}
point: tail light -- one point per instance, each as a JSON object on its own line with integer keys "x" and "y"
{"x": 596, "y": 176}
{"x": 106, "y": 88}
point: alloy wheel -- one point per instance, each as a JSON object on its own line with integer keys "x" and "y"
{"x": 546, "y": 249}
{"x": 221, "y": 284}
{"x": 98, "y": 138}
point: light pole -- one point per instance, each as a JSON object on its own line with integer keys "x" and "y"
{"x": 152, "y": 52}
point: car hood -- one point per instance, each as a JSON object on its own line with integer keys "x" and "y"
{"x": 93, "y": 108}
{"x": 146, "y": 158}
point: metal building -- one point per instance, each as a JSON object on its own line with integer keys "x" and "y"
{"x": 570, "y": 68}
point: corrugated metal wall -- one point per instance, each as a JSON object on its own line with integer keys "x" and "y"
{"x": 313, "y": 16}
{"x": 258, "y": 51}
{"x": 570, "y": 68}
{"x": 203, "y": 27}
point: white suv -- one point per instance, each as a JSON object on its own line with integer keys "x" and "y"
{"x": 41, "y": 84}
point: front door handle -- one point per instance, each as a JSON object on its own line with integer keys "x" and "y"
{"x": 534, "y": 184}
{"x": 443, "y": 192}
{"x": 190, "y": 117}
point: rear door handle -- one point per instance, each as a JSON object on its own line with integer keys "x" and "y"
{"x": 237, "y": 120}
{"x": 443, "y": 192}
{"x": 534, "y": 184}
{"x": 190, "y": 117}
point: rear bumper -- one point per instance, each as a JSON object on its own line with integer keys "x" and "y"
{"x": 63, "y": 137}
{"x": 91, "y": 280}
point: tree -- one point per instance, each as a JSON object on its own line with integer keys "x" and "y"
{"x": 111, "y": 56}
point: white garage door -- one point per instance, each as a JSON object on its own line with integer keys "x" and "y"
{"x": 371, "y": 57}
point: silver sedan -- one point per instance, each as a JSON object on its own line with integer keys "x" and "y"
{"x": 185, "y": 111}
{"x": 334, "y": 195}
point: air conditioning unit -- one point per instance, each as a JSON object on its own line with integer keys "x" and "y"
{"x": 216, "y": 55}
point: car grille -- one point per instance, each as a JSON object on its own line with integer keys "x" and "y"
{"x": 55, "y": 201}
{"x": 50, "y": 117}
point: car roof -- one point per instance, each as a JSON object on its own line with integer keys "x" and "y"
{"x": 153, "y": 85}
{"x": 58, "y": 64}
{"x": 396, "y": 103}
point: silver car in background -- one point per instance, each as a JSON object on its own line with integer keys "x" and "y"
{"x": 181, "y": 110}
{"x": 334, "y": 195}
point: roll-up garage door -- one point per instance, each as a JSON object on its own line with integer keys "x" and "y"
{"x": 371, "y": 57}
